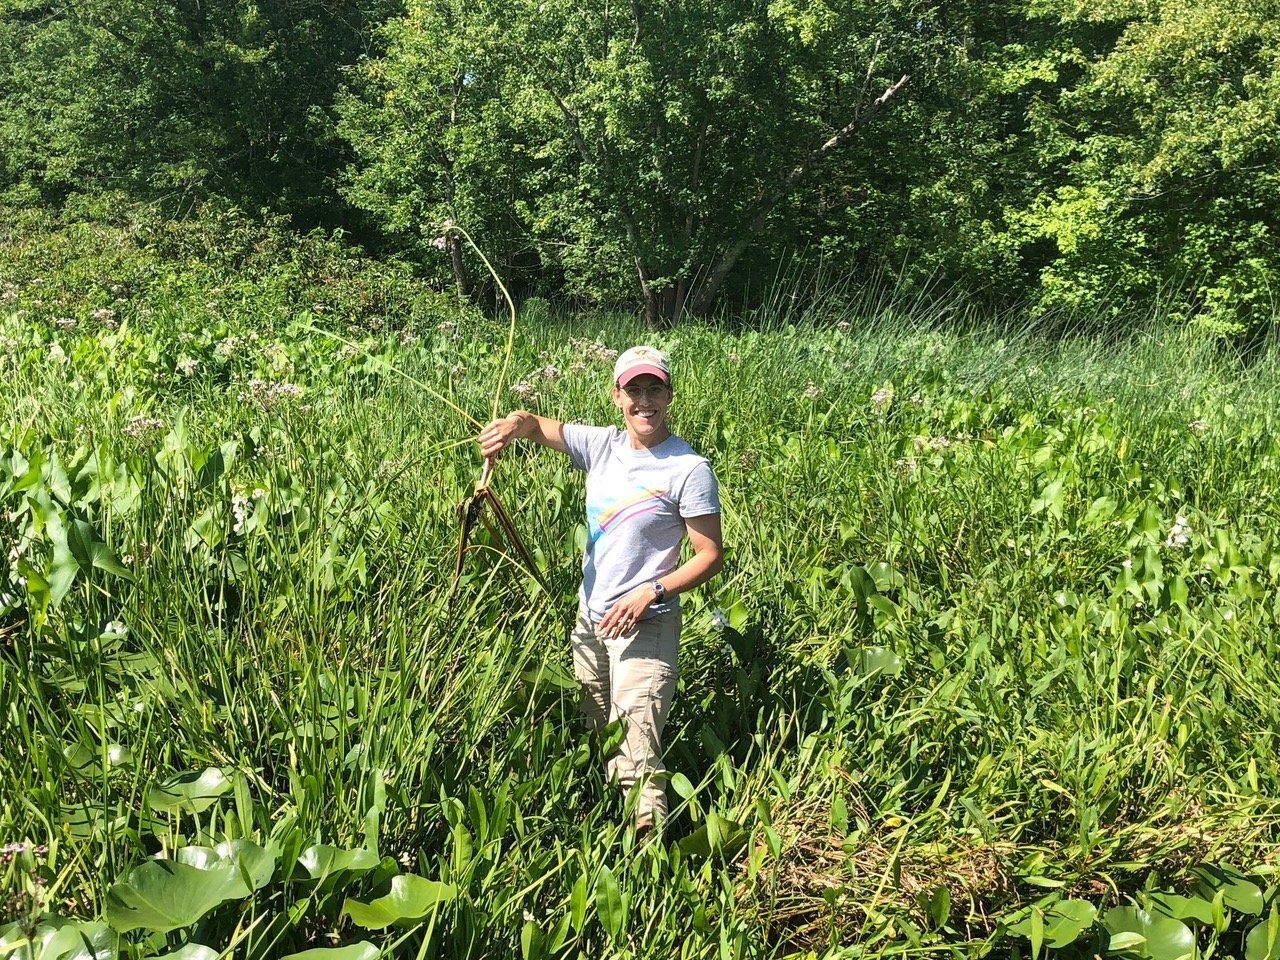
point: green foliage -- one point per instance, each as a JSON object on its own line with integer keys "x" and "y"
{"x": 989, "y": 665}
{"x": 1168, "y": 153}
{"x": 176, "y": 101}
{"x": 635, "y": 148}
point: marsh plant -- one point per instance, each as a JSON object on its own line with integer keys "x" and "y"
{"x": 990, "y": 668}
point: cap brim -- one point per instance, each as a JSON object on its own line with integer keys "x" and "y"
{"x": 643, "y": 368}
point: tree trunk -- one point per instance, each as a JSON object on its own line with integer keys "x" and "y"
{"x": 725, "y": 261}
{"x": 459, "y": 267}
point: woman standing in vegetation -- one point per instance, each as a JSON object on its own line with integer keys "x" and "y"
{"x": 646, "y": 491}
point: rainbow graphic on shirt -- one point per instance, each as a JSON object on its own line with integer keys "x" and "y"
{"x": 606, "y": 515}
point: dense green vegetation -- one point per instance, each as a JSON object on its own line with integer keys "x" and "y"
{"x": 1083, "y": 159}
{"x": 990, "y": 668}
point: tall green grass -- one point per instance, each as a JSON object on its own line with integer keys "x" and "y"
{"x": 968, "y": 664}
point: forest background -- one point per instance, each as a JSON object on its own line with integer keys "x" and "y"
{"x": 1086, "y": 160}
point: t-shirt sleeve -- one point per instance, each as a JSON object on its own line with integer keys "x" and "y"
{"x": 585, "y": 445}
{"x": 701, "y": 493}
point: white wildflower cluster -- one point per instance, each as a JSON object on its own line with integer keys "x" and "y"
{"x": 408, "y": 338}
{"x": 349, "y": 350}
{"x": 527, "y": 388}
{"x": 8, "y": 293}
{"x": 749, "y": 458}
{"x": 591, "y": 352}
{"x": 906, "y": 465}
{"x": 1197, "y": 427}
{"x": 1179, "y": 534}
{"x": 882, "y": 399}
{"x": 11, "y": 850}
{"x": 66, "y": 323}
{"x": 456, "y": 371}
{"x": 719, "y": 620}
{"x": 9, "y": 345}
{"x": 231, "y": 345}
{"x": 143, "y": 428}
{"x": 105, "y": 316}
{"x": 842, "y": 325}
{"x": 187, "y": 366}
{"x": 526, "y": 391}
{"x": 923, "y": 444}
{"x": 735, "y": 359}
{"x": 812, "y": 390}
{"x": 450, "y": 329}
{"x": 267, "y": 393}
{"x": 241, "y": 503}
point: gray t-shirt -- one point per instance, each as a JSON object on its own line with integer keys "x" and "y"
{"x": 637, "y": 501}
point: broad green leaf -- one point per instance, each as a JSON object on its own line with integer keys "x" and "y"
{"x": 1182, "y": 908}
{"x": 63, "y": 567}
{"x": 1262, "y": 942}
{"x": 164, "y": 895}
{"x": 531, "y": 940}
{"x": 885, "y": 576}
{"x": 683, "y": 787}
{"x": 323, "y": 860}
{"x": 62, "y": 940}
{"x": 411, "y": 898}
{"x": 1238, "y": 891}
{"x": 551, "y": 677}
{"x": 1064, "y": 921}
{"x": 1136, "y": 931}
{"x": 90, "y": 551}
{"x": 578, "y": 902}
{"x": 191, "y": 951}
{"x": 352, "y": 951}
{"x": 190, "y": 792}
{"x": 1127, "y": 940}
{"x": 609, "y": 906}
{"x": 879, "y": 660}
{"x": 717, "y": 835}
{"x": 252, "y": 863}
{"x": 940, "y": 906}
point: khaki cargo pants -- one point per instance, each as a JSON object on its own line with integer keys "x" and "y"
{"x": 631, "y": 676}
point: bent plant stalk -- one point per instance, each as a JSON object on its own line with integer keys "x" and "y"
{"x": 473, "y": 507}
{"x": 504, "y": 535}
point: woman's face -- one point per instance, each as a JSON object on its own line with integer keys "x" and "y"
{"x": 644, "y": 402}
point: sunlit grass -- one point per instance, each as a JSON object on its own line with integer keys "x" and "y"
{"x": 966, "y": 650}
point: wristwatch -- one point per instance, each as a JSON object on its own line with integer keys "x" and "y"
{"x": 659, "y": 591}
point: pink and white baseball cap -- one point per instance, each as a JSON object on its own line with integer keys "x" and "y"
{"x": 632, "y": 363}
